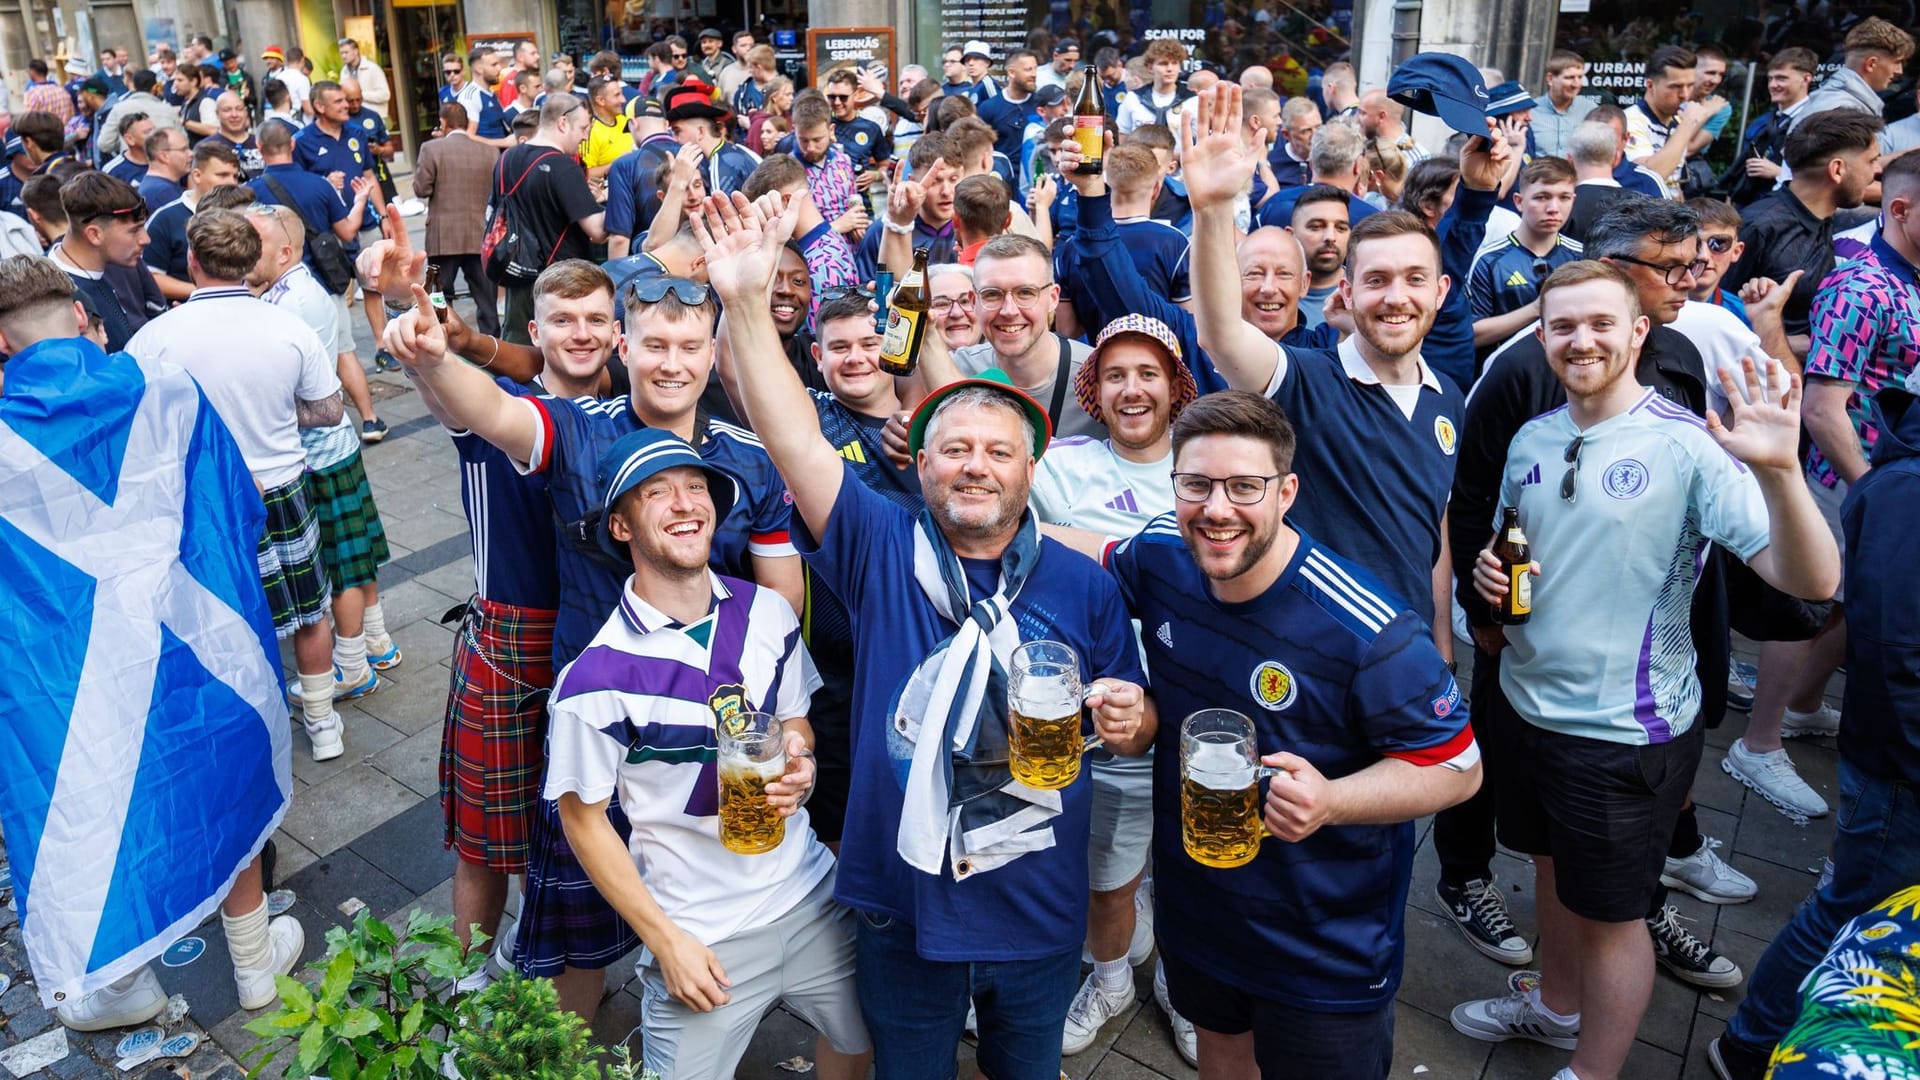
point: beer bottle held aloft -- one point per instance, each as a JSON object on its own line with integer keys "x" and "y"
{"x": 1516, "y": 557}
{"x": 1090, "y": 124}
{"x": 435, "y": 296}
{"x": 907, "y": 319}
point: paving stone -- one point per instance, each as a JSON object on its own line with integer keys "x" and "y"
{"x": 1087, "y": 1061}
{"x": 1781, "y": 890}
{"x": 1121, "y": 1067}
{"x": 364, "y": 737}
{"x": 422, "y": 526}
{"x": 1423, "y": 1039}
{"x": 415, "y": 762}
{"x": 330, "y": 814}
{"x": 1526, "y": 1060}
{"x": 404, "y": 848}
{"x": 290, "y": 855}
{"x": 1148, "y": 1039}
{"x": 416, "y": 700}
{"x": 1742, "y": 949}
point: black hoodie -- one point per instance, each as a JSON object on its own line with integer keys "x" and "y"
{"x": 1880, "y": 733}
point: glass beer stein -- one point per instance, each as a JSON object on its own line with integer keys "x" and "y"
{"x": 1220, "y": 777}
{"x": 752, "y": 755}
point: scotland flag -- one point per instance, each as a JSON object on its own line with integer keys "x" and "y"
{"x": 143, "y": 739}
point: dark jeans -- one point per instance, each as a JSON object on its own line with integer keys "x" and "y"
{"x": 486, "y": 305}
{"x": 916, "y": 1009}
{"x": 1876, "y": 852}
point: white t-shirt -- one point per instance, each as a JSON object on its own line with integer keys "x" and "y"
{"x": 298, "y": 292}
{"x": 636, "y": 711}
{"x": 1083, "y": 483}
{"x": 255, "y": 362}
{"x": 299, "y": 87}
{"x": 1608, "y": 653}
{"x": 1073, "y": 420}
{"x": 1139, "y": 109}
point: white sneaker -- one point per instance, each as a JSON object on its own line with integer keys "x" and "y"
{"x": 1140, "y": 946}
{"x": 1516, "y": 1016}
{"x": 973, "y": 1019}
{"x": 1707, "y": 876}
{"x": 1092, "y": 1007}
{"x": 256, "y": 985}
{"x": 1824, "y": 720}
{"x": 133, "y": 1000}
{"x": 326, "y": 740}
{"x": 1773, "y": 778}
{"x": 1184, "y": 1040}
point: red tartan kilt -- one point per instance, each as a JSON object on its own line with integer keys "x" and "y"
{"x": 492, "y": 748}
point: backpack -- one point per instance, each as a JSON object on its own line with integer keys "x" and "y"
{"x": 325, "y": 252}
{"x": 506, "y": 248}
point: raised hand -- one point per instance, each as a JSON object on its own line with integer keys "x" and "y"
{"x": 1764, "y": 434}
{"x": 390, "y": 266}
{"x": 415, "y": 337}
{"x": 1043, "y": 192}
{"x": 1483, "y": 162}
{"x": 1067, "y": 159}
{"x": 743, "y": 246}
{"x": 686, "y": 167}
{"x": 1765, "y": 297}
{"x": 1216, "y": 160}
{"x": 906, "y": 197}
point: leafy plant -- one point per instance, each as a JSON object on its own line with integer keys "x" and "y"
{"x": 624, "y": 1067}
{"x": 517, "y": 1031}
{"x": 376, "y": 1014}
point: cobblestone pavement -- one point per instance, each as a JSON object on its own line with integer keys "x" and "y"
{"x": 365, "y": 829}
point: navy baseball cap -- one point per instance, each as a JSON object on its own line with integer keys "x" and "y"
{"x": 1049, "y": 95}
{"x": 1443, "y": 85}
{"x": 15, "y": 147}
{"x": 639, "y": 456}
{"x": 1508, "y": 98}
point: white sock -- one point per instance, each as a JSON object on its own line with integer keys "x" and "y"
{"x": 1112, "y": 976}
{"x": 373, "y": 626}
{"x": 1540, "y": 1003}
{"x": 351, "y": 655}
{"x": 316, "y": 699}
{"x": 247, "y": 939}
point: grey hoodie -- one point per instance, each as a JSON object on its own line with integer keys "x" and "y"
{"x": 1844, "y": 89}
{"x": 163, "y": 114}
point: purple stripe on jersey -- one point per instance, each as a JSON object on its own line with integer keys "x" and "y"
{"x": 1645, "y": 710}
{"x": 771, "y": 701}
{"x": 662, "y": 736}
{"x": 605, "y": 668}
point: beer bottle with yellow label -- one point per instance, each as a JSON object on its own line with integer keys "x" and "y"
{"x": 1516, "y": 556}
{"x": 1090, "y": 123}
{"x": 907, "y": 319}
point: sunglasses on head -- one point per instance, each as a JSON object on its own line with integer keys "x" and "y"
{"x": 654, "y": 290}
{"x": 1719, "y": 245}
{"x": 841, "y": 292}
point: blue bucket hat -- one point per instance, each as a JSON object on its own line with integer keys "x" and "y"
{"x": 1508, "y": 98}
{"x": 637, "y": 457}
{"x": 1443, "y": 85}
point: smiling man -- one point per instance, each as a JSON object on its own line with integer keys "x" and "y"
{"x": 1014, "y": 299}
{"x": 954, "y": 892}
{"x": 1618, "y": 493}
{"x": 1348, "y": 703}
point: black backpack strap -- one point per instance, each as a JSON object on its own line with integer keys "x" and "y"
{"x": 280, "y": 192}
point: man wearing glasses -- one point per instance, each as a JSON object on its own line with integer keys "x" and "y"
{"x": 1618, "y": 493}
{"x": 1014, "y": 298}
{"x": 1656, "y": 244}
{"x": 866, "y": 143}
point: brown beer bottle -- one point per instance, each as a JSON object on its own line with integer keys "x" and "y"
{"x": 1089, "y": 123}
{"x": 434, "y": 294}
{"x": 907, "y": 319}
{"x": 1516, "y": 556}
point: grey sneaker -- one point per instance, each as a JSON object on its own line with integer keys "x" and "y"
{"x": 1706, "y": 876}
{"x": 1773, "y": 777}
{"x": 1516, "y": 1016}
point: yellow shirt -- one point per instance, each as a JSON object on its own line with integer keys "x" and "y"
{"x": 606, "y": 143}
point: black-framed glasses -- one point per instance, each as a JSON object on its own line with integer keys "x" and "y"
{"x": 1572, "y": 456}
{"x": 1241, "y": 490}
{"x": 655, "y": 289}
{"x": 1719, "y": 245}
{"x": 1675, "y": 273}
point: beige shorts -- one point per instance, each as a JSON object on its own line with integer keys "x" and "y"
{"x": 804, "y": 959}
{"x": 1828, "y": 499}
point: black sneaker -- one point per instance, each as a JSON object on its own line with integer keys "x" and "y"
{"x": 373, "y": 431}
{"x": 1734, "y": 1060}
{"x": 1690, "y": 959}
{"x": 1481, "y": 914}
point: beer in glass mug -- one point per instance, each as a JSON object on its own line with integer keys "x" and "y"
{"x": 1043, "y": 716}
{"x": 1220, "y": 789}
{"x": 753, "y": 754}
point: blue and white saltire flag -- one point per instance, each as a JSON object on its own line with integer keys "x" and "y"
{"x": 144, "y": 742}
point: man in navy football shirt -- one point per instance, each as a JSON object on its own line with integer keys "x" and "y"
{"x": 968, "y": 885}
{"x": 1289, "y": 962}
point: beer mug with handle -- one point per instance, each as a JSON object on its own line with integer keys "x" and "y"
{"x": 753, "y": 754}
{"x": 1043, "y": 718}
{"x": 1220, "y": 777}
